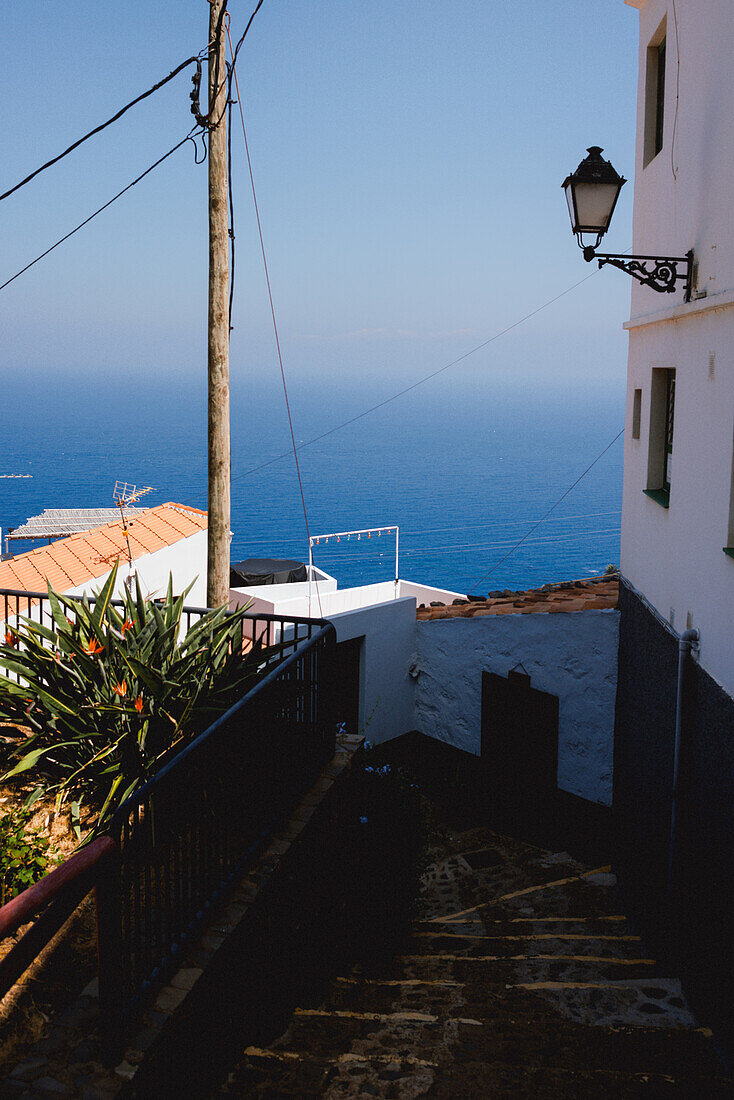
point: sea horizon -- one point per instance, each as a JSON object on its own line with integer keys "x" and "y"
{"x": 464, "y": 466}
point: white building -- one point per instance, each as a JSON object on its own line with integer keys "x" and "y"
{"x": 167, "y": 541}
{"x": 677, "y": 854}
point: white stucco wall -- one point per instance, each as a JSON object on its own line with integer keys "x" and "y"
{"x": 387, "y": 630}
{"x": 683, "y": 200}
{"x": 185, "y": 561}
{"x": 573, "y": 656}
{"x": 292, "y": 599}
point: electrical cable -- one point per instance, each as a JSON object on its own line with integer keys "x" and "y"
{"x": 231, "y": 205}
{"x": 189, "y": 137}
{"x": 75, "y": 145}
{"x": 233, "y": 71}
{"x": 493, "y": 526}
{"x": 551, "y": 509}
{"x": 237, "y": 48}
{"x": 420, "y": 382}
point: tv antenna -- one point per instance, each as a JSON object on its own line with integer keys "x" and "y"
{"x": 124, "y": 495}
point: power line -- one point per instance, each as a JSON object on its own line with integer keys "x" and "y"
{"x": 242, "y": 38}
{"x": 493, "y": 526}
{"x": 102, "y": 126}
{"x": 420, "y": 382}
{"x": 189, "y": 137}
{"x": 551, "y": 509}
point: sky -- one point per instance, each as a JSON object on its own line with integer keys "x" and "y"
{"x": 408, "y": 157}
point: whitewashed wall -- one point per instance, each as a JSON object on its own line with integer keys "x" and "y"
{"x": 387, "y": 630}
{"x": 573, "y": 656}
{"x": 683, "y": 200}
{"x": 185, "y": 561}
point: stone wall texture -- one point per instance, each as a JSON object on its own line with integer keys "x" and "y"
{"x": 573, "y": 656}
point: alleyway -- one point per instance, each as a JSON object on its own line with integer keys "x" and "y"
{"x": 520, "y": 978}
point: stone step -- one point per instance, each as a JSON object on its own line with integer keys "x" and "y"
{"x": 526, "y": 967}
{"x": 268, "y": 1074}
{"x": 479, "y": 1081}
{"x": 618, "y": 1002}
{"x": 509, "y": 1025}
{"x": 432, "y": 996}
{"x": 441, "y": 942}
{"x": 473, "y": 921}
{"x": 595, "y": 897}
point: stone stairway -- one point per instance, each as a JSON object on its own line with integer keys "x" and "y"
{"x": 519, "y": 978}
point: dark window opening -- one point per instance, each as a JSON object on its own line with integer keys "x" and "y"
{"x": 669, "y": 413}
{"x": 659, "y": 99}
{"x": 655, "y": 95}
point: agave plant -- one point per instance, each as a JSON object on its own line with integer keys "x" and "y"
{"x": 108, "y": 693}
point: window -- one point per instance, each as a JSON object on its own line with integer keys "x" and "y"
{"x": 660, "y": 454}
{"x": 668, "y": 440}
{"x": 636, "y": 414}
{"x": 655, "y": 95}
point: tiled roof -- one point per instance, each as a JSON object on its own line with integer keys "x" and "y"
{"x": 596, "y": 594}
{"x": 83, "y": 557}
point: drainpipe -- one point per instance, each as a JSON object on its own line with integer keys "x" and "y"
{"x": 687, "y": 641}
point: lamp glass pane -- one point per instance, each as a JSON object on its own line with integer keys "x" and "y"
{"x": 595, "y": 203}
{"x": 569, "y": 199}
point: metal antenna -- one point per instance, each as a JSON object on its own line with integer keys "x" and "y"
{"x": 123, "y": 495}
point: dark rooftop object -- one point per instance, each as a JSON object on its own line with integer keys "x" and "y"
{"x": 254, "y": 571}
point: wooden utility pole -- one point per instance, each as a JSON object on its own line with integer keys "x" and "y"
{"x": 217, "y": 589}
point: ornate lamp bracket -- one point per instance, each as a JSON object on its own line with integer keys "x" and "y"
{"x": 661, "y": 273}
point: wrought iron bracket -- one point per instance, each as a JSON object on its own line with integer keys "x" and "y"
{"x": 661, "y": 273}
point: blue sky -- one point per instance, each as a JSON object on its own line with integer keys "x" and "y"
{"x": 408, "y": 156}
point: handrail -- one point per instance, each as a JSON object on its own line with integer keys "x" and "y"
{"x": 187, "y": 609}
{"x": 141, "y": 793}
{"x": 55, "y": 897}
{"x": 19, "y": 910}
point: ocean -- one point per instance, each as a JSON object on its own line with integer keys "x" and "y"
{"x": 464, "y": 465}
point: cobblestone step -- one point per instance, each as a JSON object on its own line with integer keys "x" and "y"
{"x": 267, "y": 1075}
{"x": 519, "y": 978}
{"x": 544, "y": 943}
{"x": 526, "y": 967}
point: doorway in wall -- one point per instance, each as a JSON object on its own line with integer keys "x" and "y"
{"x": 519, "y": 749}
{"x": 347, "y": 680}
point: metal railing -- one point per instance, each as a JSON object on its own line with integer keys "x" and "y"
{"x": 55, "y": 898}
{"x": 189, "y": 834}
{"x": 177, "y": 845}
{"x": 259, "y": 631}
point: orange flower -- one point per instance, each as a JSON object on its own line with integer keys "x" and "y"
{"x": 120, "y": 689}
{"x": 127, "y": 625}
{"x": 11, "y": 638}
{"x": 139, "y": 704}
{"x": 94, "y": 647}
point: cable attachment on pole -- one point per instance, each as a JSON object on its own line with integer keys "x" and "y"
{"x": 195, "y": 97}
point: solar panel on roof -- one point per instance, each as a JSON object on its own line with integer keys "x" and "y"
{"x": 60, "y": 522}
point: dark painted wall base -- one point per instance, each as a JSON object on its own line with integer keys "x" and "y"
{"x": 696, "y": 931}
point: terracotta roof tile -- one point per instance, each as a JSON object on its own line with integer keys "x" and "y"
{"x": 595, "y": 594}
{"x": 73, "y": 561}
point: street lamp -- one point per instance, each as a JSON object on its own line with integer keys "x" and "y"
{"x": 591, "y": 193}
